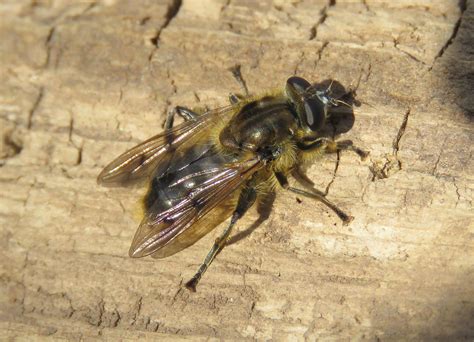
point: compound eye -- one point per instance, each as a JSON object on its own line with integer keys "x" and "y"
{"x": 297, "y": 85}
{"x": 311, "y": 110}
{"x": 314, "y": 115}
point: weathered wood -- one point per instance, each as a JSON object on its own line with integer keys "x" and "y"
{"x": 83, "y": 82}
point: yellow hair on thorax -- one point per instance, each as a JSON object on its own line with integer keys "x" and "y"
{"x": 288, "y": 157}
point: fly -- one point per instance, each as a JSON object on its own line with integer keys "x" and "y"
{"x": 218, "y": 163}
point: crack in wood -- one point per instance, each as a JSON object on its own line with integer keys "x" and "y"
{"x": 390, "y": 164}
{"x": 171, "y": 13}
{"x": 458, "y": 194}
{"x": 71, "y": 141}
{"x": 34, "y": 108}
{"x": 320, "y": 54}
{"x": 323, "y": 15}
{"x": 435, "y": 167}
{"x": 401, "y": 132}
{"x": 48, "y": 45}
{"x": 50, "y": 259}
{"x": 462, "y": 7}
{"x": 300, "y": 61}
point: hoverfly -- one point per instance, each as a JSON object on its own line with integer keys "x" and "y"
{"x": 216, "y": 164}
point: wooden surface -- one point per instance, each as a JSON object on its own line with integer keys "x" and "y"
{"x": 82, "y": 82}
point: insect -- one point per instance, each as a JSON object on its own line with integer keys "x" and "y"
{"x": 217, "y": 163}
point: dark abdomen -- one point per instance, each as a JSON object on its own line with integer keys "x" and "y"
{"x": 185, "y": 171}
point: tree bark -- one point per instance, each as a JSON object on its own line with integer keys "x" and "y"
{"x": 82, "y": 82}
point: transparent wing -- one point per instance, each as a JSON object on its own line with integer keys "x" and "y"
{"x": 140, "y": 161}
{"x": 200, "y": 228}
{"x": 165, "y": 233}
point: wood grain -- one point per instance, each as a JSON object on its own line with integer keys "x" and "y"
{"x": 82, "y": 82}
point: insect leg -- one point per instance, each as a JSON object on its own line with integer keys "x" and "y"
{"x": 344, "y": 145}
{"x": 185, "y": 113}
{"x": 246, "y": 199}
{"x": 235, "y": 70}
{"x": 314, "y": 194}
{"x": 234, "y": 98}
{"x": 332, "y": 146}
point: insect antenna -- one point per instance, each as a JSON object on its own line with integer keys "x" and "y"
{"x": 329, "y": 90}
{"x": 325, "y": 94}
{"x": 341, "y": 102}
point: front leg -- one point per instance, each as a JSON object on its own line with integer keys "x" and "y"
{"x": 332, "y": 146}
{"x": 314, "y": 194}
{"x": 346, "y": 145}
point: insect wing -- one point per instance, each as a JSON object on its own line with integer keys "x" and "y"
{"x": 166, "y": 233}
{"x": 140, "y": 161}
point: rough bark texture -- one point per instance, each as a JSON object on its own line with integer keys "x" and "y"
{"x": 82, "y": 82}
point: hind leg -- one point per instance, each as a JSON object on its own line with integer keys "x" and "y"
{"x": 246, "y": 200}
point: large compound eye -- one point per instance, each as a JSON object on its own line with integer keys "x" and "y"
{"x": 314, "y": 113}
{"x": 311, "y": 111}
{"x": 297, "y": 85}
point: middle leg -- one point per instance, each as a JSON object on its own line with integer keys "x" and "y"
{"x": 235, "y": 98}
{"x": 183, "y": 112}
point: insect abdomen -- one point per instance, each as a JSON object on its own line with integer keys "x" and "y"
{"x": 187, "y": 171}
